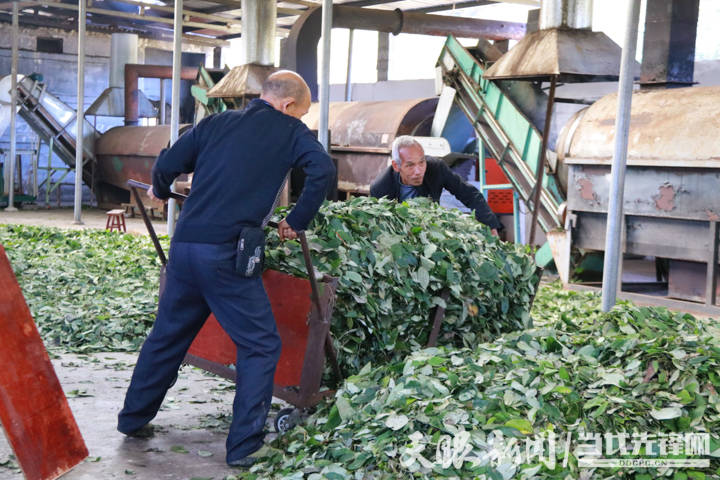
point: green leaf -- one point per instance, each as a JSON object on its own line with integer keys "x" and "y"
{"x": 423, "y": 277}
{"x": 520, "y": 424}
{"x": 666, "y": 413}
{"x": 396, "y": 422}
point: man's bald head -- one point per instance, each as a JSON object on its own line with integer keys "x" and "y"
{"x": 287, "y": 92}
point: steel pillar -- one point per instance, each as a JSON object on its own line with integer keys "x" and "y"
{"x": 175, "y": 103}
{"x": 162, "y": 102}
{"x": 13, "y": 109}
{"x": 348, "y": 74}
{"x": 383, "y": 56}
{"x": 80, "y": 117}
{"x": 327, "y": 24}
{"x": 613, "y": 253}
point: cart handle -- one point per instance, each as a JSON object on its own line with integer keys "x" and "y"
{"x": 146, "y": 186}
{"x": 134, "y": 185}
{"x": 314, "y": 292}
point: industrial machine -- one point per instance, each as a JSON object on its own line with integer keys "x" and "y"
{"x": 557, "y": 163}
{"x": 671, "y": 202}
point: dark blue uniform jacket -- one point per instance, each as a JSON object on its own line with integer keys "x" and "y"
{"x": 438, "y": 176}
{"x": 240, "y": 160}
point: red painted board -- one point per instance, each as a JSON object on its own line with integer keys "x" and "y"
{"x": 290, "y": 301}
{"x": 33, "y": 409}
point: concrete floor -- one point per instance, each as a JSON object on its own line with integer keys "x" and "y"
{"x": 190, "y": 429}
{"x": 194, "y": 417}
{"x": 63, "y": 218}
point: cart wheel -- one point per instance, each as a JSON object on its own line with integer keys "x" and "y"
{"x": 285, "y": 420}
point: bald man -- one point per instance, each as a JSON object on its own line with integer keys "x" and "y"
{"x": 240, "y": 160}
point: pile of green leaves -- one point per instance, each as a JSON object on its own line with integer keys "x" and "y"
{"x": 393, "y": 261}
{"x": 632, "y": 370}
{"x": 88, "y": 290}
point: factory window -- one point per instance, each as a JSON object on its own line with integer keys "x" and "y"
{"x": 49, "y": 45}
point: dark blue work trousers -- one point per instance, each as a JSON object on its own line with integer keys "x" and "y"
{"x": 201, "y": 279}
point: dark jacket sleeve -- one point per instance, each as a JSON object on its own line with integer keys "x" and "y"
{"x": 469, "y": 196}
{"x": 179, "y": 158}
{"x": 384, "y": 185}
{"x": 319, "y": 172}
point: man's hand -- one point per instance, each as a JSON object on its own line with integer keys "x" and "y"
{"x": 494, "y": 232}
{"x": 151, "y": 194}
{"x": 286, "y": 232}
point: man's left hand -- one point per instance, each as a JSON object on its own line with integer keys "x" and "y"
{"x": 286, "y": 232}
{"x": 494, "y": 232}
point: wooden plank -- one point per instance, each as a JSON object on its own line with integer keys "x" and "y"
{"x": 33, "y": 409}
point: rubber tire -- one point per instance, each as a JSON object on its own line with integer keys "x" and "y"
{"x": 284, "y": 421}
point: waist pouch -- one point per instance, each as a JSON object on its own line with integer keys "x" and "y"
{"x": 250, "y": 252}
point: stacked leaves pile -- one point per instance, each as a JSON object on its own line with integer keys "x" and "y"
{"x": 87, "y": 290}
{"x": 394, "y": 260}
{"x": 632, "y": 370}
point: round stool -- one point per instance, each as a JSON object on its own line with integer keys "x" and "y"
{"x": 115, "y": 220}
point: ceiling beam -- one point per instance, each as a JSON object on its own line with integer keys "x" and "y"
{"x": 453, "y": 6}
{"x": 221, "y": 29}
{"x": 69, "y": 24}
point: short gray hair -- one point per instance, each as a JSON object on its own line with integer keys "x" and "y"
{"x": 403, "y": 141}
{"x": 283, "y": 84}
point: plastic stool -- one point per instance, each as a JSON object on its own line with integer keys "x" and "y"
{"x": 115, "y": 220}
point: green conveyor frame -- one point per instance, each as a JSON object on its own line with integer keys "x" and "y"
{"x": 506, "y": 132}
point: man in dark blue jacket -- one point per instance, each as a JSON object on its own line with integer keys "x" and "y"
{"x": 240, "y": 160}
{"x": 412, "y": 174}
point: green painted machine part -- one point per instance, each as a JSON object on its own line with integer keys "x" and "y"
{"x": 507, "y": 134}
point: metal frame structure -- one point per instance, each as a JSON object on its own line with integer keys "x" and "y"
{"x": 209, "y": 21}
{"x": 510, "y": 137}
{"x": 217, "y": 27}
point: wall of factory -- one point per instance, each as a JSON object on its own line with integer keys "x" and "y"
{"x": 59, "y": 72}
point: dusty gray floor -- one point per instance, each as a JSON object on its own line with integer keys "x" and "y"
{"x": 193, "y": 419}
{"x": 190, "y": 428}
{"x": 63, "y": 218}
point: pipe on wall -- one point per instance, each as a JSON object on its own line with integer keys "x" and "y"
{"x": 299, "y": 51}
{"x": 396, "y": 22}
{"x": 134, "y": 71}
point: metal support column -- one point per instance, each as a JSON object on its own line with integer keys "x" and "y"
{"x": 13, "y": 109}
{"x": 516, "y": 218}
{"x": 540, "y": 167}
{"x": 162, "y": 102}
{"x": 80, "y": 117}
{"x": 617, "y": 186}
{"x": 175, "y": 103}
{"x": 383, "y": 56}
{"x": 712, "y": 268}
{"x": 348, "y": 75}
{"x": 323, "y": 122}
